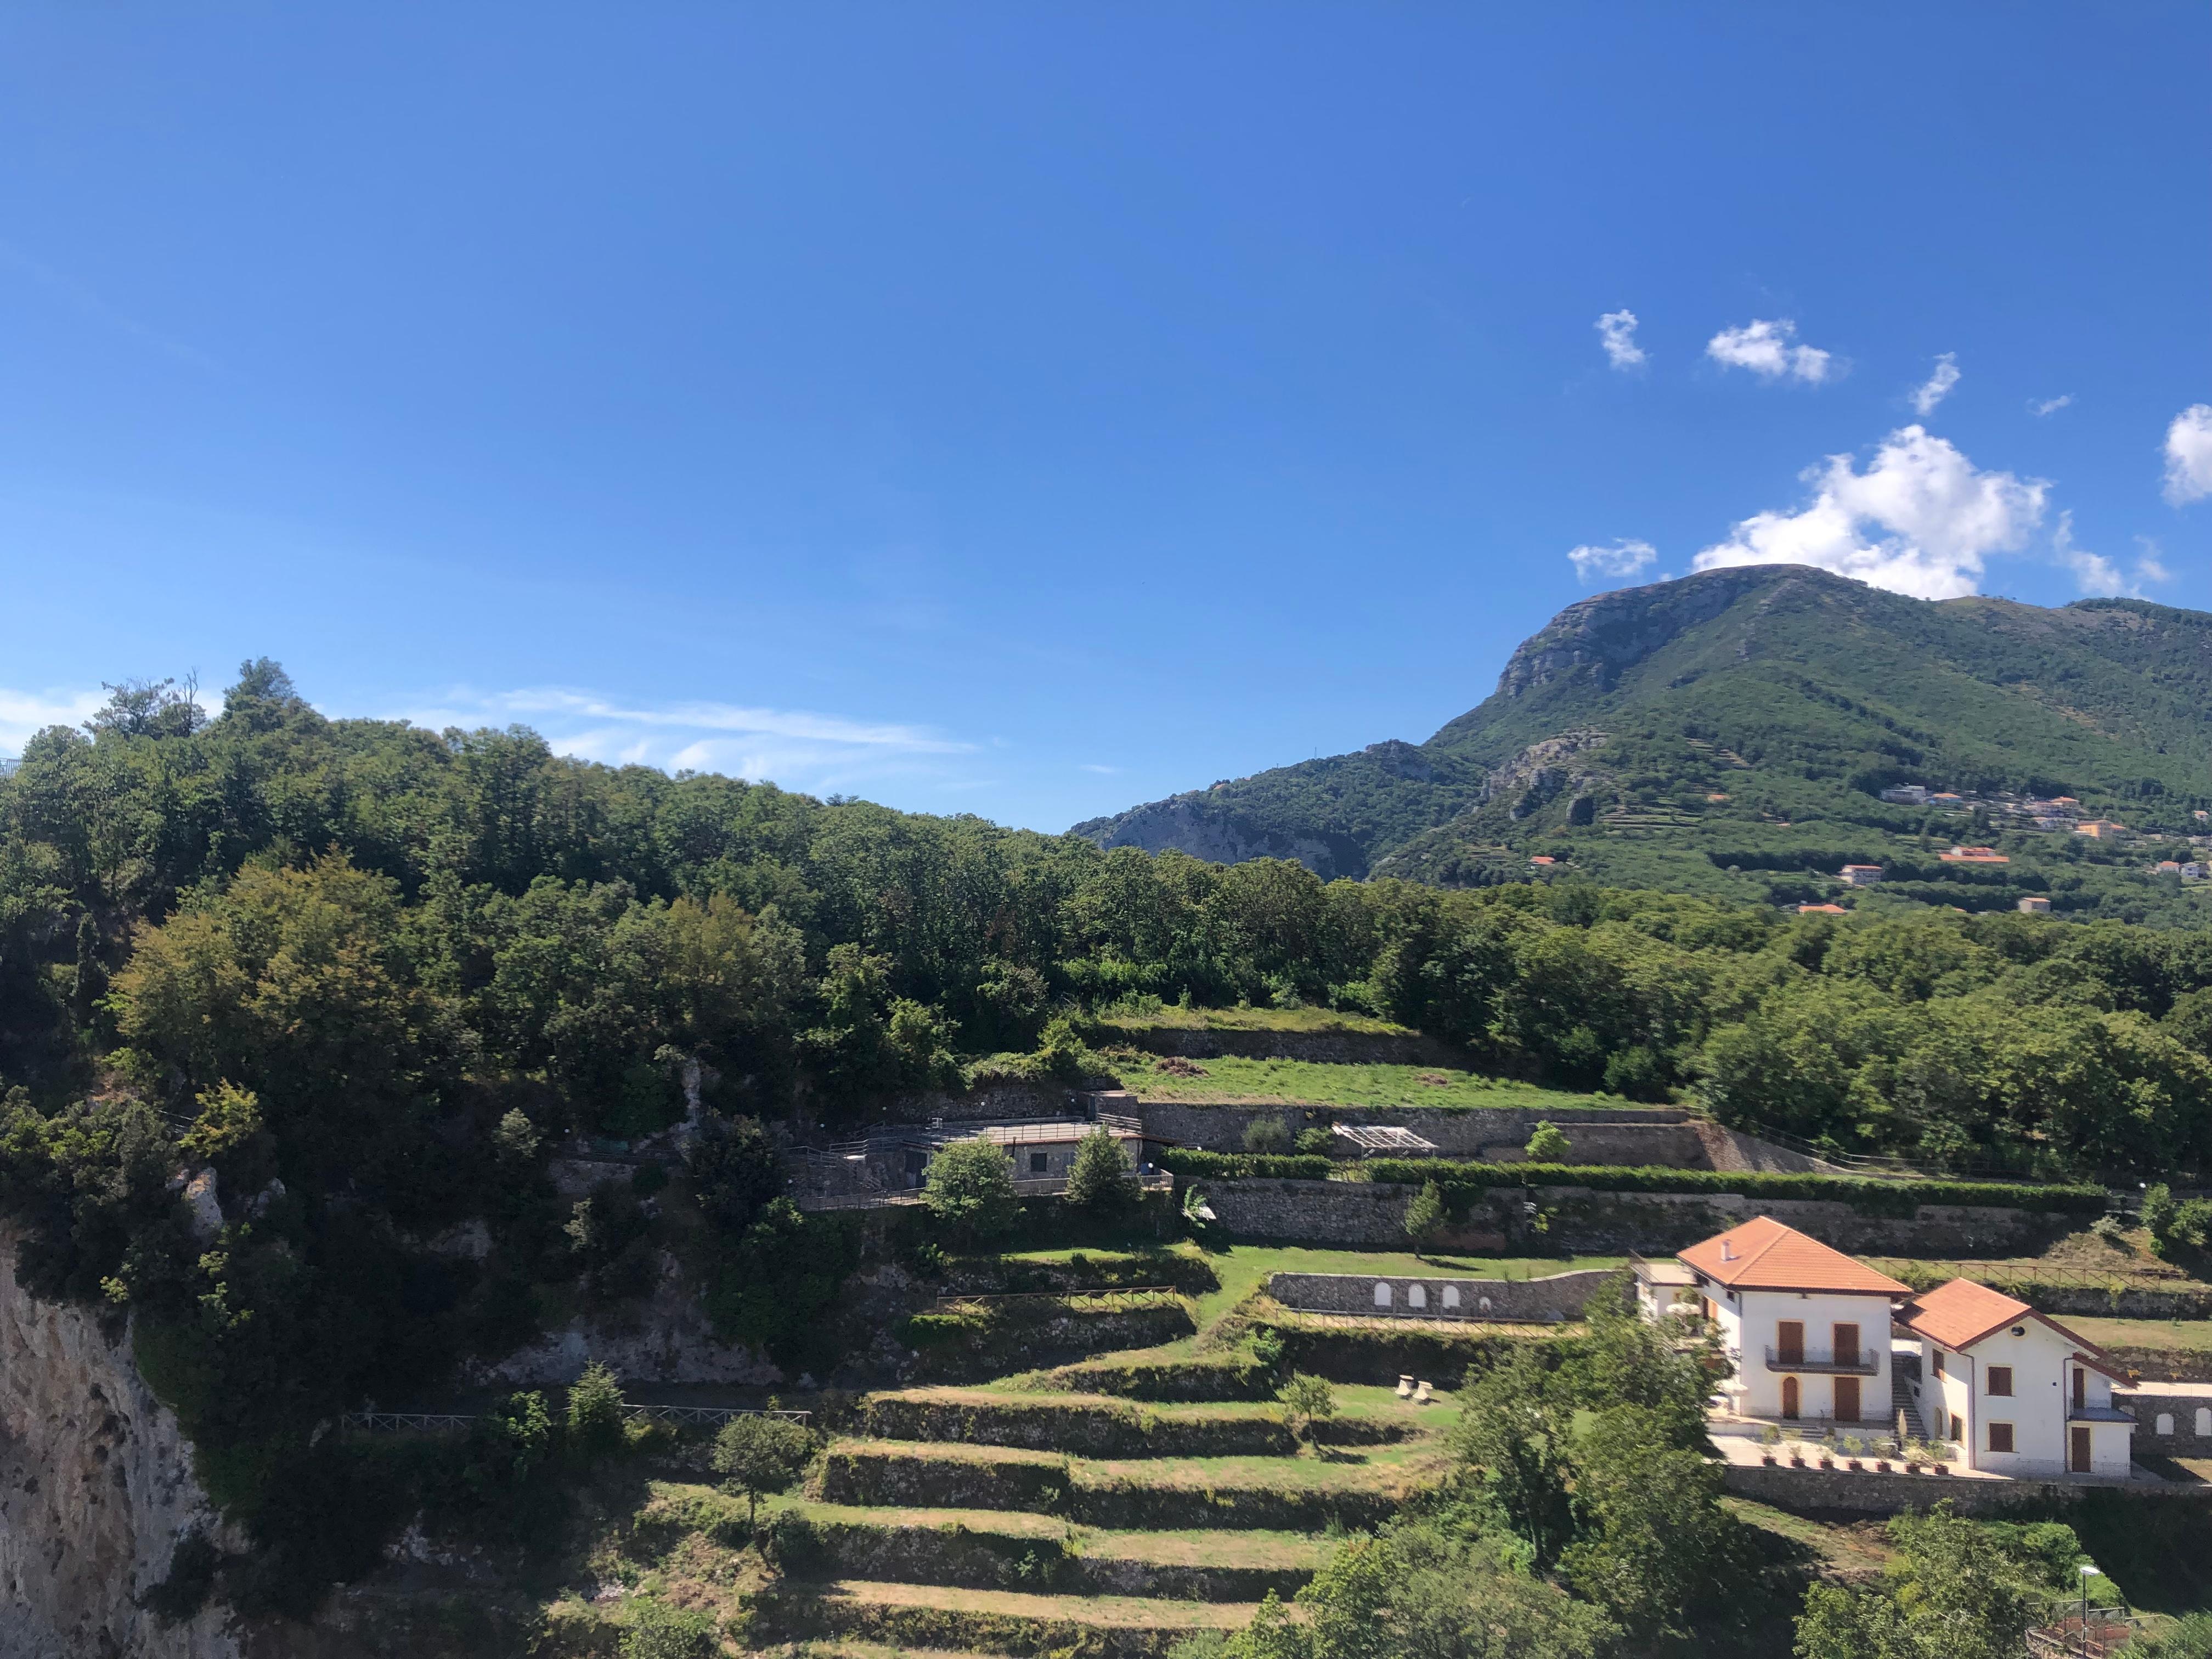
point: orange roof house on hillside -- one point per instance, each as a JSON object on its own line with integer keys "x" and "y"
{"x": 1962, "y": 1313}
{"x": 1763, "y": 1254}
{"x": 1822, "y": 910}
{"x": 1974, "y": 855}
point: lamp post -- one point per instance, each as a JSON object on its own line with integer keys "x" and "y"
{"x": 2088, "y": 1573}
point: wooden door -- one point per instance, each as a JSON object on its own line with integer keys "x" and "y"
{"x": 1847, "y": 1345}
{"x": 1847, "y": 1400}
{"x": 2080, "y": 1387}
{"x": 1790, "y": 1402}
{"x": 2078, "y": 1462}
{"x": 1789, "y": 1341}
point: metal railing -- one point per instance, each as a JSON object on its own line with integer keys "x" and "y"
{"x": 1863, "y": 1362}
{"x": 433, "y": 1422}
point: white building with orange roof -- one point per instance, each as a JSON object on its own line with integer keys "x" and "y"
{"x": 2016, "y": 1390}
{"x": 1807, "y": 1327}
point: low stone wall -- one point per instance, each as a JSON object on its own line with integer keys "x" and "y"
{"x": 1656, "y": 1134}
{"x": 1496, "y": 1300}
{"x": 1579, "y": 1221}
{"x": 2089, "y": 1303}
{"x": 1868, "y": 1493}
{"x": 2148, "y": 1406}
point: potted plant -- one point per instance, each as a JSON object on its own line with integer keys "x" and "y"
{"x": 1851, "y": 1446}
{"x": 1769, "y": 1438}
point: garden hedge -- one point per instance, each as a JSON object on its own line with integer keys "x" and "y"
{"x": 1459, "y": 1180}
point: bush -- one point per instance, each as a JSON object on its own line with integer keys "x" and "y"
{"x": 1101, "y": 1178}
{"x": 970, "y": 1191}
{"x": 1315, "y": 1143}
{"x": 1424, "y": 1216}
{"x": 1268, "y": 1136}
{"x": 1549, "y": 1145}
{"x": 657, "y": 1631}
{"x": 595, "y": 1411}
{"x": 1195, "y": 1165}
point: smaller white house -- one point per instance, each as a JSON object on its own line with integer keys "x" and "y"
{"x": 2015, "y": 1390}
{"x": 1806, "y": 1326}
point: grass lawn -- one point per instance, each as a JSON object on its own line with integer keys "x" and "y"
{"x": 1352, "y": 1399}
{"x": 1170, "y": 1018}
{"x": 1129, "y": 1612}
{"x": 1312, "y": 1082}
{"x": 1212, "y": 1547}
{"x": 2159, "y": 1335}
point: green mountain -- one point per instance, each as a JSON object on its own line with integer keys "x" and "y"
{"x": 1732, "y": 732}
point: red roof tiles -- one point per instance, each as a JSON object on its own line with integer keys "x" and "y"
{"x": 1763, "y": 1254}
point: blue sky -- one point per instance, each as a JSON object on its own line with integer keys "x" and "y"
{"x": 1032, "y": 410}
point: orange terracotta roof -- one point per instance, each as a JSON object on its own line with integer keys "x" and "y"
{"x": 1962, "y": 1313}
{"x": 1822, "y": 910}
{"x": 1763, "y": 1254}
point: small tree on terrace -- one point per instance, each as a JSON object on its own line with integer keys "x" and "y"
{"x": 760, "y": 1456}
{"x": 1101, "y": 1179}
{"x": 1424, "y": 1217}
{"x": 595, "y": 1411}
{"x": 1549, "y": 1145}
{"x": 1306, "y": 1401}
{"x": 970, "y": 1191}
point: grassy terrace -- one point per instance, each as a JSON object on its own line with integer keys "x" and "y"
{"x": 1170, "y": 1018}
{"x": 1374, "y": 1403}
{"x": 1314, "y": 1083}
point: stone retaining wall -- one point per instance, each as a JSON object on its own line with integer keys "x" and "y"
{"x": 1868, "y": 1493}
{"x": 1520, "y": 1300}
{"x": 2148, "y": 1404}
{"x": 1583, "y": 1222}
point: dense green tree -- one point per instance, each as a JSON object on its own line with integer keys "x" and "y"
{"x": 1101, "y": 1179}
{"x": 969, "y": 1191}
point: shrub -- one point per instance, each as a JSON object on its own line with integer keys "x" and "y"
{"x": 1424, "y": 1216}
{"x": 761, "y": 1454}
{"x": 657, "y": 1631}
{"x": 595, "y": 1411}
{"x": 970, "y": 1191}
{"x": 1242, "y": 1166}
{"x": 1315, "y": 1143}
{"x": 1268, "y": 1136}
{"x": 1101, "y": 1178}
{"x": 1549, "y": 1145}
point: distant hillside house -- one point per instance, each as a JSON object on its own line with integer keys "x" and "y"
{"x": 1946, "y": 799}
{"x": 2167, "y": 867}
{"x": 1974, "y": 855}
{"x": 1906, "y": 794}
{"x": 1861, "y": 875}
{"x": 2101, "y": 828}
{"x": 2035, "y": 906}
{"x": 1822, "y": 910}
{"x": 1543, "y": 858}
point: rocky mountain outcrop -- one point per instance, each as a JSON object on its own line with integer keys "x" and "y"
{"x": 96, "y": 1488}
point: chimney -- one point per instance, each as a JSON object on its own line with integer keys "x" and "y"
{"x": 1728, "y": 1249}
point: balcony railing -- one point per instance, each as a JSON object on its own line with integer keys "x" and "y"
{"x": 1813, "y": 1362}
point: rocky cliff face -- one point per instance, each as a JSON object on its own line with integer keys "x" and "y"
{"x": 96, "y": 1488}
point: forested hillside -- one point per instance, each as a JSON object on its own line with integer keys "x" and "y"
{"x": 1731, "y": 732}
{"x": 372, "y": 976}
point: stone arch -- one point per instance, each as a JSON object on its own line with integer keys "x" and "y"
{"x": 1382, "y": 1295}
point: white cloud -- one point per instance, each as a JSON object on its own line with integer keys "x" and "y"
{"x": 2042, "y": 406}
{"x": 1618, "y": 330}
{"x": 2098, "y": 574}
{"x": 2189, "y": 455}
{"x": 821, "y": 754}
{"x": 1919, "y": 521}
{"x": 25, "y": 712}
{"x": 1622, "y": 558}
{"x": 1937, "y": 386}
{"x": 1764, "y": 348}
{"x": 1102, "y": 771}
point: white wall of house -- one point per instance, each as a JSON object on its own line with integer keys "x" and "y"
{"x": 1751, "y": 1324}
{"x": 2038, "y": 1408}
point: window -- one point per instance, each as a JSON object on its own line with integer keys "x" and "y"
{"x": 1040, "y": 1163}
{"x": 1416, "y": 1295}
{"x": 2204, "y": 1422}
{"x": 1452, "y": 1296}
{"x": 2165, "y": 1424}
{"x": 1936, "y": 1362}
{"x": 2000, "y": 1437}
{"x": 1958, "y": 1426}
{"x": 1382, "y": 1295}
{"x": 2001, "y": 1383}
